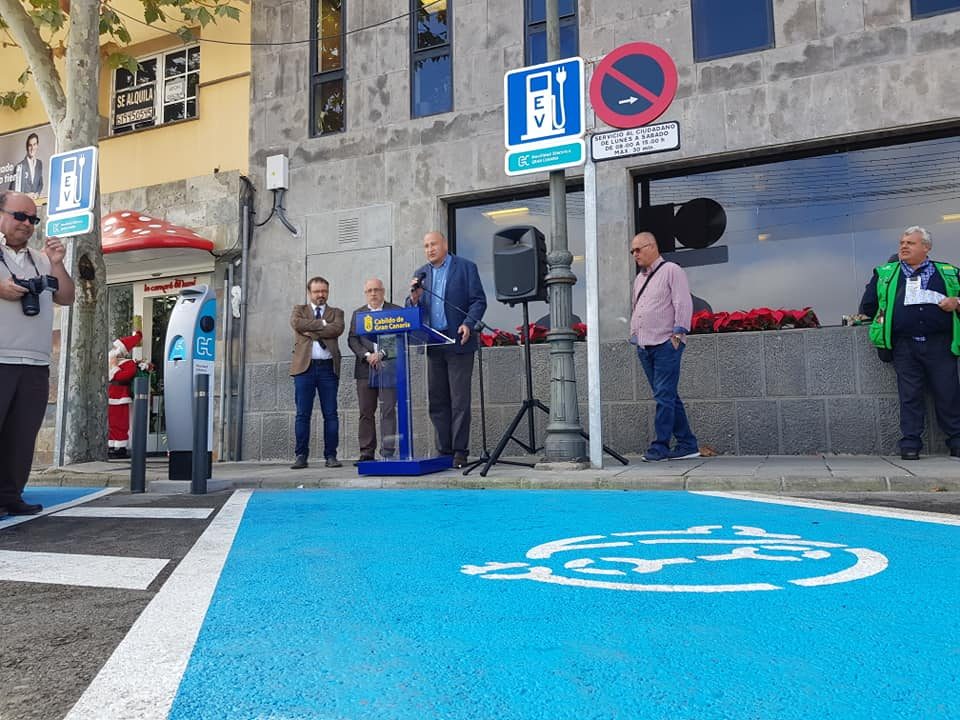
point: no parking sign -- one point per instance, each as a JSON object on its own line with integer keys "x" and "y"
{"x": 633, "y": 85}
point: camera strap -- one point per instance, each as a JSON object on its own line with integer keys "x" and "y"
{"x": 12, "y": 273}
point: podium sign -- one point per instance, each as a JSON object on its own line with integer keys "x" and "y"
{"x": 408, "y": 330}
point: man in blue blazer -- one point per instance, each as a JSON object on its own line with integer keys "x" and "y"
{"x": 449, "y": 290}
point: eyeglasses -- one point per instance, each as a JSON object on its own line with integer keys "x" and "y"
{"x": 634, "y": 251}
{"x": 373, "y": 290}
{"x": 23, "y": 217}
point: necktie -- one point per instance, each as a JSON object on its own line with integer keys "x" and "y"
{"x": 318, "y": 313}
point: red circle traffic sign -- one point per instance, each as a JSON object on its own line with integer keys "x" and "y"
{"x": 633, "y": 85}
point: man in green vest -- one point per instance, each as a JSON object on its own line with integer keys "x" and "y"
{"x": 914, "y": 305}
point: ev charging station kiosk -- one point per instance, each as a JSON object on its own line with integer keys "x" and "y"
{"x": 188, "y": 352}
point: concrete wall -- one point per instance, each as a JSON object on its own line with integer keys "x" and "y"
{"x": 840, "y": 70}
{"x": 793, "y": 392}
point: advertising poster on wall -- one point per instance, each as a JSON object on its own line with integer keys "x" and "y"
{"x": 24, "y": 160}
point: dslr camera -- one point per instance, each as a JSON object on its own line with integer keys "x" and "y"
{"x": 30, "y": 302}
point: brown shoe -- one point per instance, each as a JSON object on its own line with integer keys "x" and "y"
{"x": 459, "y": 460}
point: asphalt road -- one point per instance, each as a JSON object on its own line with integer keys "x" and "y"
{"x": 55, "y": 638}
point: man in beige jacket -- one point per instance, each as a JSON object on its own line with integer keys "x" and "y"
{"x": 315, "y": 368}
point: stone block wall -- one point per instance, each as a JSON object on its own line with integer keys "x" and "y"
{"x": 792, "y": 392}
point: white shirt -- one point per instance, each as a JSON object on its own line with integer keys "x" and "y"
{"x": 19, "y": 258}
{"x": 319, "y": 352}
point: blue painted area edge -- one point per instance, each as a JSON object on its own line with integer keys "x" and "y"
{"x": 416, "y": 466}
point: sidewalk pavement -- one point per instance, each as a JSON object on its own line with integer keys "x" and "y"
{"x": 763, "y": 473}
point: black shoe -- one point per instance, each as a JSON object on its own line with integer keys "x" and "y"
{"x": 332, "y": 462}
{"x": 459, "y": 459}
{"x": 955, "y": 453}
{"x": 300, "y": 463}
{"x": 909, "y": 454}
{"x": 364, "y": 458}
{"x": 23, "y": 508}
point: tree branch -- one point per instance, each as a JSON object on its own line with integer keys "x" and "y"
{"x": 38, "y": 56}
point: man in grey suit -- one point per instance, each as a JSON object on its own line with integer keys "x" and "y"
{"x": 375, "y": 383}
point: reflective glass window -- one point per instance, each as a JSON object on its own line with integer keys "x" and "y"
{"x": 808, "y": 232}
{"x": 327, "y": 79}
{"x": 474, "y": 226}
{"x": 536, "y": 36}
{"x": 926, "y": 8}
{"x": 431, "y": 62}
{"x": 730, "y": 27}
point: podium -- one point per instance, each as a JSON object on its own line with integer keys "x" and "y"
{"x": 400, "y": 330}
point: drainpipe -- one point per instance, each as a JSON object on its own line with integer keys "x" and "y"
{"x": 246, "y": 231}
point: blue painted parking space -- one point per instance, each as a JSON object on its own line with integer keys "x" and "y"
{"x": 53, "y": 496}
{"x": 569, "y": 604}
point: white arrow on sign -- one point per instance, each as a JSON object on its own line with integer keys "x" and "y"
{"x": 631, "y": 100}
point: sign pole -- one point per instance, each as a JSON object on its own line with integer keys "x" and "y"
{"x": 593, "y": 313}
{"x": 564, "y": 441}
{"x": 63, "y": 368}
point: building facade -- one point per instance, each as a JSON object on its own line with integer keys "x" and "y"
{"x": 821, "y": 129}
{"x": 173, "y": 147}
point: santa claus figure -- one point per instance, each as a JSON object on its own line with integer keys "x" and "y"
{"x": 119, "y": 394}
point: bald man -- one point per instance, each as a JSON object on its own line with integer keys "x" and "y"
{"x": 449, "y": 290}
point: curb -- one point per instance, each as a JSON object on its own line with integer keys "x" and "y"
{"x": 582, "y": 481}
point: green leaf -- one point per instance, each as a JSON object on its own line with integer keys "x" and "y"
{"x": 24, "y": 76}
{"x": 231, "y": 12}
{"x": 186, "y": 34}
{"x": 204, "y": 16}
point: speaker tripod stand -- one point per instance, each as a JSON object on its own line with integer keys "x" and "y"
{"x": 526, "y": 409}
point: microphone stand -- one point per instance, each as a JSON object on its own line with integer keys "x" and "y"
{"x": 478, "y": 327}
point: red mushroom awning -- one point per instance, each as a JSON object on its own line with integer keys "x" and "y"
{"x": 125, "y": 230}
{"x": 137, "y": 246}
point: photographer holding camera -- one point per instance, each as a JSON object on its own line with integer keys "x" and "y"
{"x": 30, "y": 282}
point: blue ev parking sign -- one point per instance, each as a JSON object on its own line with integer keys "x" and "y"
{"x": 544, "y": 109}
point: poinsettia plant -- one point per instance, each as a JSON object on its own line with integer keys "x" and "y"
{"x": 538, "y": 334}
{"x": 763, "y": 318}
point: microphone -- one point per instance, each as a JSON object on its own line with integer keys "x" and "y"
{"x": 418, "y": 285}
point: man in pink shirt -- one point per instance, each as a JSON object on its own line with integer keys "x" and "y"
{"x": 659, "y": 323}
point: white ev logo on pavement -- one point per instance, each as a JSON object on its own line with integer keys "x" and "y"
{"x": 753, "y": 549}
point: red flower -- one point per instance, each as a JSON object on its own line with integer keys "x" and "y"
{"x": 701, "y": 322}
{"x": 486, "y": 339}
{"x": 581, "y": 330}
{"x": 538, "y": 333}
{"x": 502, "y": 338}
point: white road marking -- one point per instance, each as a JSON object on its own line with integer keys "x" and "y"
{"x": 106, "y": 571}
{"x": 17, "y": 519}
{"x": 885, "y": 512}
{"x": 139, "y": 513}
{"x": 163, "y": 637}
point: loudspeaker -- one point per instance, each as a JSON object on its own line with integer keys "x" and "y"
{"x": 520, "y": 264}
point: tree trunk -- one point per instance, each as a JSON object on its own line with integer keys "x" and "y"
{"x": 85, "y": 424}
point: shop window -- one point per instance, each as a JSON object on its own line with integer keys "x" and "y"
{"x": 926, "y": 8}
{"x": 163, "y": 89}
{"x": 730, "y": 27}
{"x": 327, "y": 76}
{"x": 536, "y": 20}
{"x": 473, "y": 224}
{"x": 431, "y": 62}
{"x": 807, "y": 232}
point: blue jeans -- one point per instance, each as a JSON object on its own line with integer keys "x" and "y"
{"x": 319, "y": 379}
{"x": 661, "y": 363}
